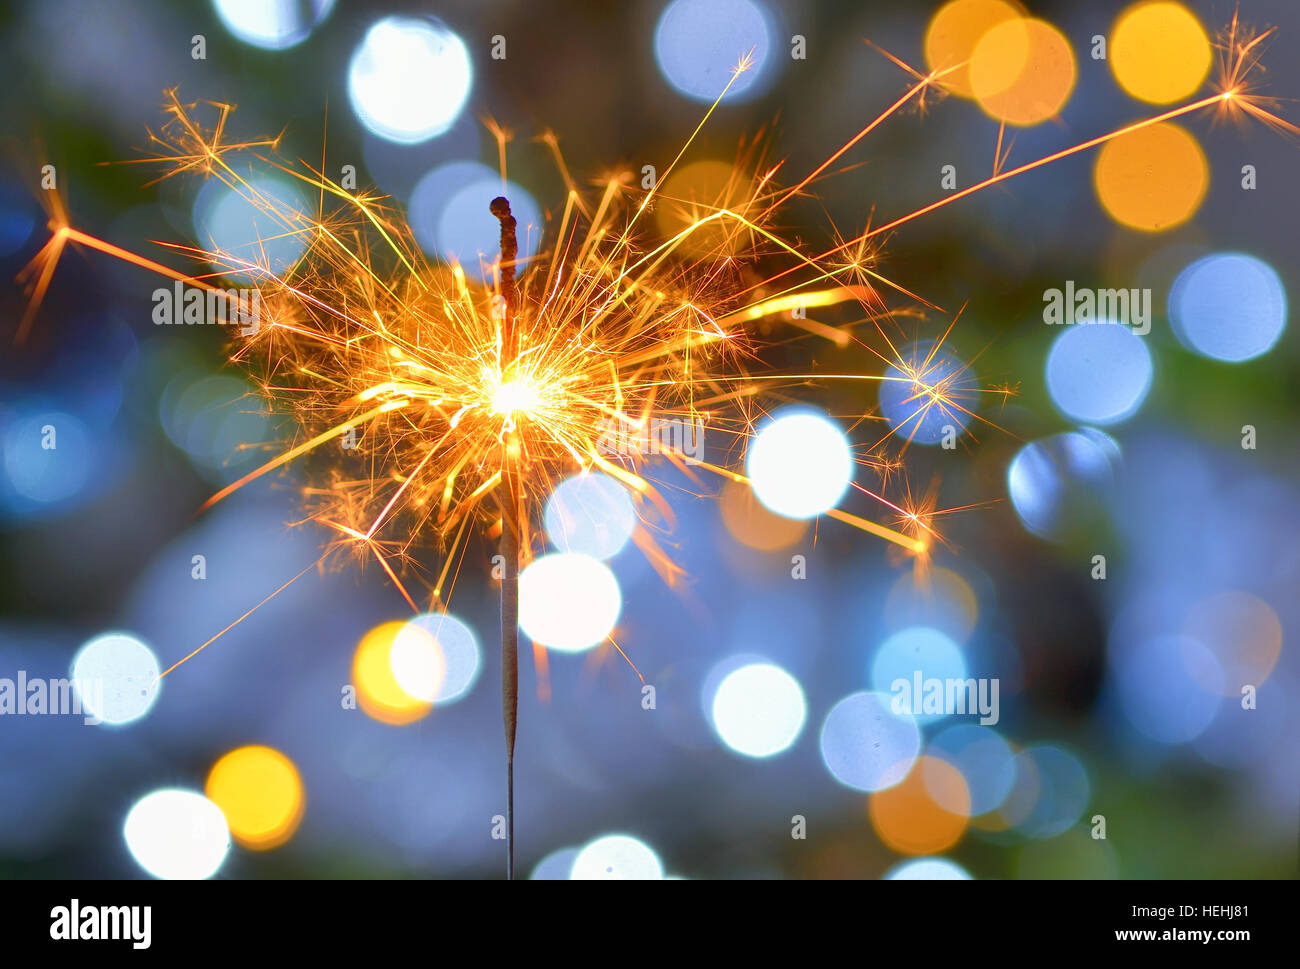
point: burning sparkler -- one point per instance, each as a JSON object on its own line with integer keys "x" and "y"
{"x": 469, "y": 401}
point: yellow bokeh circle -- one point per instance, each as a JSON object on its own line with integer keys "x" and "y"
{"x": 939, "y": 598}
{"x": 926, "y": 813}
{"x": 1022, "y": 71}
{"x": 752, "y": 524}
{"x": 260, "y": 793}
{"x": 378, "y": 692}
{"x": 1159, "y": 52}
{"x": 953, "y": 33}
{"x": 1244, "y": 634}
{"x": 1153, "y": 178}
{"x": 694, "y": 194}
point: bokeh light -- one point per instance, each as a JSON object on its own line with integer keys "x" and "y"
{"x": 1022, "y": 71}
{"x": 954, "y": 31}
{"x": 417, "y": 662}
{"x": 255, "y": 224}
{"x": 699, "y": 43}
{"x": 272, "y": 24}
{"x": 434, "y": 188}
{"x": 590, "y": 513}
{"x": 985, "y": 761}
{"x": 116, "y": 677}
{"x": 1050, "y": 793}
{"x": 933, "y": 395}
{"x": 617, "y": 857}
{"x": 378, "y": 692}
{"x": 398, "y": 168}
{"x": 1159, "y": 52}
{"x": 1242, "y": 631}
{"x": 928, "y": 869}
{"x": 758, "y": 710}
{"x": 800, "y": 465}
{"x": 1098, "y": 373}
{"x": 435, "y": 657}
{"x": 557, "y": 866}
{"x": 941, "y": 599}
{"x": 177, "y": 834}
{"x": 1228, "y": 306}
{"x": 751, "y": 524}
{"x": 918, "y": 649}
{"x": 695, "y": 192}
{"x": 912, "y": 822}
{"x": 1152, "y": 179}
{"x": 568, "y": 601}
{"x": 1170, "y": 687}
{"x": 866, "y": 745}
{"x": 409, "y": 78}
{"x": 260, "y": 793}
{"x": 217, "y": 420}
{"x": 1052, "y": 483}
{"x": 42, "y": 474}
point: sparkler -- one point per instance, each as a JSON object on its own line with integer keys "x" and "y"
{"x": 510, "y": 512}
{"x": 471, "y": 400}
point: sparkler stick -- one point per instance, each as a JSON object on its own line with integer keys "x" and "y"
{"x": 500, "y": 207}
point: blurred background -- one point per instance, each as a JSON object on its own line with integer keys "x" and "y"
{"x": 1149, "y": 699}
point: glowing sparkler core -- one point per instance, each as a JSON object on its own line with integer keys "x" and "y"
{"x": 518, "y": 396}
